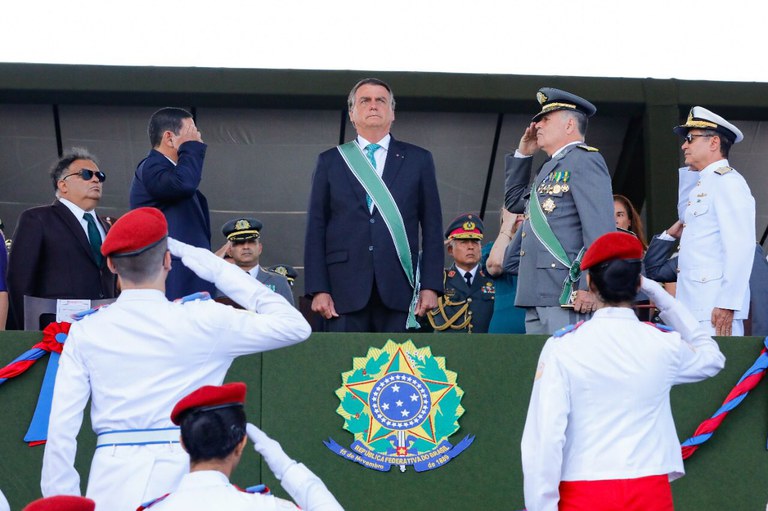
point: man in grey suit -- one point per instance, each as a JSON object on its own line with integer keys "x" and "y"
{"x": 571, "y": 206}
{"x": 244, "y": 247}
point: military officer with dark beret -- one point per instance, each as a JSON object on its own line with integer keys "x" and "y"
{"x": 469, "y": 293}
{"x": 569, "y": 206}
{"x": 244, "y": 237}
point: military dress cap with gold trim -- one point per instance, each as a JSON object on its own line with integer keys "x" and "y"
{"x": 286, "y": 270}
{"x": 699, "y": 118}
{"x": 242, "y": 229}
{"x": 465, "y": 227}
{"x": 552, "y": 99}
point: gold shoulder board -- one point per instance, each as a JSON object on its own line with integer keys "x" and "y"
{"x": 723, "y": 170}
{"x": 589, "y": 148}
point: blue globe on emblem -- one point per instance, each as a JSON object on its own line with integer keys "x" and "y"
{"x": 400, "y": 401}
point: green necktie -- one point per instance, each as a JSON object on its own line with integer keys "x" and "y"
{"x": 370, "y": 150}
{"x": 94, "y": 238}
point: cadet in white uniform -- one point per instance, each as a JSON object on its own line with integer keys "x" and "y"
{"x": 599, "y": 430}
{"x": 137, "y": 357}
{"x": 718, "y": 242}
{"x": 213, "y": 429}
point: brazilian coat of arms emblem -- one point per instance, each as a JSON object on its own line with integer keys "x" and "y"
{"x": 401, "y": 404}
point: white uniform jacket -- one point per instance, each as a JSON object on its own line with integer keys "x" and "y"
{"x": 209, "y": 489}
{"x": 718, "y": 243}
{"x": 135, "y": 359}
{"x": 600, "y": 403}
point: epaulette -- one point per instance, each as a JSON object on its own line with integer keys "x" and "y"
{"x": 262, "y": 489}
{"x": 202, "y": 295}
{"x": 659, "y": 326}
{"x": 151, "y": 503}
{"x": 723, "y": 170}
{"x": 80, "y": 315}
{"x": 568, "y": 329}
{"x": 588, "y": 148}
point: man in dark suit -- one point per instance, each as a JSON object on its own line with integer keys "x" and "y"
{"x": 244, "y": 248}
{"x": 56, "y": 248}
{"x": 168, "y": 179}
{"x": 571, "y": 206}
{"x": 362, "y": 276}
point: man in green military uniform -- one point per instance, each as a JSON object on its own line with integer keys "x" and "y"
{"x": 467, "y": 302}
{"x": 244, "y": 247}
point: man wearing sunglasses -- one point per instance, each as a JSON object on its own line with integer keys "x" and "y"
{"x": 718, "y": 240}
{"x": 56, "y": 249}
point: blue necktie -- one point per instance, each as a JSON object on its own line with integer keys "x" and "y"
{"x": 94, "y": 238}
{"x": 370, "y": 150}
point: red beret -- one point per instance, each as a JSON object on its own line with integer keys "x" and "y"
{"x": 614, "y": 245}
{"x": 210, "y": 397}
{"x": 61, "y": 503}
{"x": 135, "y": 232}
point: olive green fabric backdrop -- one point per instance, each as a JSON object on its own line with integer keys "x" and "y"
{"x": 291, "y": 395}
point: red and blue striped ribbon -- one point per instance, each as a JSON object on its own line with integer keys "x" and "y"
{"x": 54, "y": 336}
{"x": 748, "y": 381}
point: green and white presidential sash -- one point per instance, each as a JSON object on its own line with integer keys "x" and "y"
{"x": 379, "y": 193}
{"x": 543, "y": 232}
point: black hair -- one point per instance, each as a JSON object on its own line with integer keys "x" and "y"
{"x": 166, "y": 119}
{"x": 76, "y": 153}
{"x": 616, "y": 281}
{"x": 212, "y": 434}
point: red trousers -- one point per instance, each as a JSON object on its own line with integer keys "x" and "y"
{"x": 651, "y": 493}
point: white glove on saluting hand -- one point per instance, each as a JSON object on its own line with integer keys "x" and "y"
{"x": 270, "y": 450}
{"x": 201, "y": 261}
{"x": 656, "y": 293}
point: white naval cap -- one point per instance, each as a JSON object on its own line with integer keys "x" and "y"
{"x": 701, "y": 118}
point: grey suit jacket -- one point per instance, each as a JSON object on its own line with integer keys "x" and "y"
{"x": 580, "y": 215}
{"x": 276, "y": 282}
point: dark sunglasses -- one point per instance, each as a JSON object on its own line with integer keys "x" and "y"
{"x": 87, "y": 175}
{"x": 689, "y": 138}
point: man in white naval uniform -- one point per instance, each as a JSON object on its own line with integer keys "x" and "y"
{"x": 718, "y": 241}
{"x": 213, "y": 432}
{"x": 136, "y": 358}
{"x": 599, "y": 433}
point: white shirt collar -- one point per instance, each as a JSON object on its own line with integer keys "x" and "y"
{"x": 76, "y": 210}
{"x": 712, "y": 167}
{"x": 384, "y": 142}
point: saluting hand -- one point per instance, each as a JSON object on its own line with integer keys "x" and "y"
{"x": 528, "y": 144}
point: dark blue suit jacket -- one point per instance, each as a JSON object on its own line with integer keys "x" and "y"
{"x": 346, "y": 247}
{"x": 173, "y": 190}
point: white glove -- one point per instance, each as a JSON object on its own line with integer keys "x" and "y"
{"x": 656, "y": 293}
{"x": 270, "y": 450}
{"x": 201, "y": 261}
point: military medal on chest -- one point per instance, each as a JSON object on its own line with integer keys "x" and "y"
{"x": 548, "y": 205}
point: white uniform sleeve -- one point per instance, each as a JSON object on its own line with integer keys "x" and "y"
{"x": 736, "y": 219}
{"x": 544, "y": 433}
{"x": 70, "y": 395}
{"x": 4, "y": 506}
{"x": 307, "y": 490}
{"x": 700, "y": 356}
